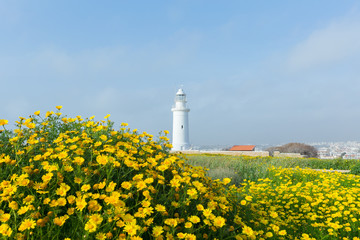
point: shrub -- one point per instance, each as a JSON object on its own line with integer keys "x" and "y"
{"x": 70, "y": 178}
{"x": 355, "y": 169}
{"x": 303, "y": 149}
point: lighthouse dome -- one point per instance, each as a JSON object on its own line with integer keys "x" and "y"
{"x": 180, "y": 91}
{"x": 180, "y": 95}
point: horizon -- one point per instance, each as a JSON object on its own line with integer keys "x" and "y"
{"x": 253, "y": 72}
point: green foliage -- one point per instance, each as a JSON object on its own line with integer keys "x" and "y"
{"x": 355, "y": 169}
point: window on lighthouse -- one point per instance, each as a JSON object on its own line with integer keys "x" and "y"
{"x": 182, "y": 126}
{"x": 180, "y": 97}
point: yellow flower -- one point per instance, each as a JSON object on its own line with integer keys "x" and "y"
{"x": 275, "y": 228}
{"x": 96, "y": 218}
{"x": 192, "y": 192}
{"x": 23, "y": 210}
{"x": 85, "y": 187}
{"x": 157, "y": 231}
{"x": 70, "y": 211}
{"x": 248, "y": 231}
{"x": 3, "y": 122}
{"x": 226, "y": 180}
{"x": 102, "y": 184}
{"x": 110, "y": 187}
{"x": 77, "y": 180}
{"x": 181, "y": 235}
{"x": 103, "y": 137}
{"x": 61, "y": 202}
{"x": 136, "y": 238}
{"x": 160, "y": 208}
{"x": 60, "y": 220}
{"x": 348, "y": 229}
{"x": 47, "y": 177}
{"x": 29, "y": 199}
{"x": 109, "y": 235}
{"x": 62, "y": 155}
{"x": 94, "y": 205}
{"x": 59, "y": 107}
{"x": 102, "y": 159}
{"x": 248, "y": 198}
{"x": 4, "y": 217}
{"x": 100, "y": 236}
{"x": 207, "y": 212}
{"x": 219, "y": 222}
{"x": 27, "y": 224}
{"x": 37, "y": 113}
{"x": 175, "y": 183}
{"x": 63, "y": 189}
{"x": 273, "y": 214}
{"x": 200, "y": 207}
{"x": 90, "y": 226}
{"x": 282, "y": 232}
{"x": 46, "y": 201}
{"x": 13, "y": 205}
{"x": 188, "y": 225}
{"x": 49, "y": 114}
{"x": 79, "y": 160}
{"x": 131, "y": 228}
{"x": 68, "y": 168}
{"x": 5, "y": 230}
{"x": 190, "y": 236}
{"x": 141, "y": 185}
{"x": 80, "y": 204}
{"x": 194, "y": 219}
{"x": 107, "y": 116}
{"x": 149, "y": 180}
{"x": 71, "y": 199}
{"x": 126, "y": 185}
{"x": 269, "y": 234}
{"x": 171, "y": 222}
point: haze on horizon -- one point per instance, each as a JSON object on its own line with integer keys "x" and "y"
{"x": 254, "y": 72}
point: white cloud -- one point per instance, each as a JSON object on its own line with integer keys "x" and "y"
{"x": 336, "y": 42}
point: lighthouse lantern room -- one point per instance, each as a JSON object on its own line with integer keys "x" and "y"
{"x": 180, "y": 134}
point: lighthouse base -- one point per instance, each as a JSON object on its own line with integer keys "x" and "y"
{"x": 181, "y": 147}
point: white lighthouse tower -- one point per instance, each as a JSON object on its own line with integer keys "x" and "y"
{"x": 180, "y": 139}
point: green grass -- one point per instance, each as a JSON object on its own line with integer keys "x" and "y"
{"x": 241, "y": 168}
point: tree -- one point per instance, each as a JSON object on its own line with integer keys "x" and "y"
{"x": 303, "y": 149}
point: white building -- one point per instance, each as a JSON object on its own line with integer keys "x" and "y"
{"x": 180, "y": 134}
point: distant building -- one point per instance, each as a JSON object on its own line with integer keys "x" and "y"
{"x": 242, "y": 148}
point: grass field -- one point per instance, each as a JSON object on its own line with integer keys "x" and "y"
{"x": 240, "y": 168}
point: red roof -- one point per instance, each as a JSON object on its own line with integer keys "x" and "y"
{"x": 242, "y": 148}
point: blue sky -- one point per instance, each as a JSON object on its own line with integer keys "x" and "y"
{"x": 254, "y": 72}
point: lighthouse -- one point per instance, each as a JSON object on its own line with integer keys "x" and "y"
{"x": 180, "y": 139}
